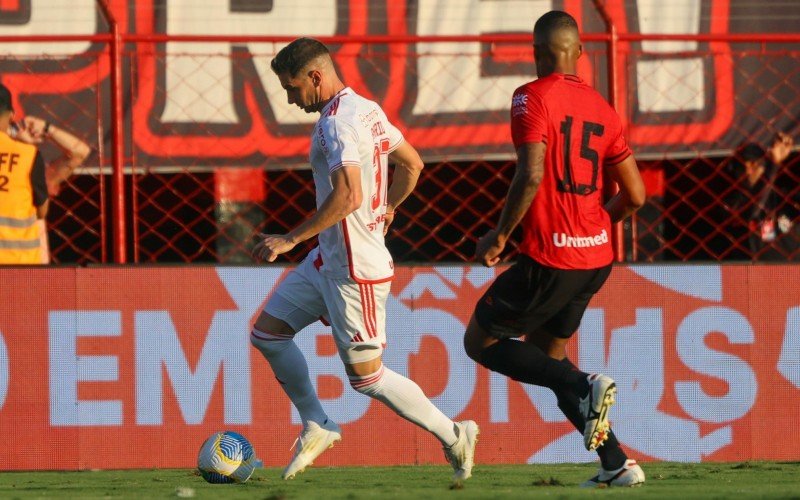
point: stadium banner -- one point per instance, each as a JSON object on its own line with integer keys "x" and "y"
{"x": 133, "y": 367}
{"x": 197, "y": 103}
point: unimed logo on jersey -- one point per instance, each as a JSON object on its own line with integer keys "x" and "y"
{"x": 139, "y": 367}
{"x": 197, "y": 102}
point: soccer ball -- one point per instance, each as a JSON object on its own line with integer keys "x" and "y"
{"x": 226, "y": 457}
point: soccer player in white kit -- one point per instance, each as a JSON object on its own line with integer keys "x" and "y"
{"x": 345, "y": 280}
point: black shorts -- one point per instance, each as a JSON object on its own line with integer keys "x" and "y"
{"x": 529, "y": 297}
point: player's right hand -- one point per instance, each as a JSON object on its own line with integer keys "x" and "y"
{"x": 489, "y": 248}
{"x": 388, "y": 218}
{"x": 271, "y": 245}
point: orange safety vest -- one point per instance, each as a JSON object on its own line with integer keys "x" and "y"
{"x": 19, "y": 234}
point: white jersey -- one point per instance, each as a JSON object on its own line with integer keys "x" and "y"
{"x": 354, "y": 131}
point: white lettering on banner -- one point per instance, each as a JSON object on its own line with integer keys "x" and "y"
{"x": 438, "y": 283}
{"x": 449, "y": 74}
{"x": 735, "y": 372}
{"x": 789, "y": 361}
{"x": 693, "y": 280}
{"x": 200, "y": 76}
{"x": 5, "y": 373}
{"x": 666, "y": 85}
{"x": 157, "y": 346}
{"x": 65, "y": 17}
{"x": 406, "y": 330}
{"x": 636, "y": 361}
{"x": 431, "y": 282}
{"x": 226, "y": 348}
{"x": 480, "y": 275}
{"x": 67, "y": 368}
{"x": 248, "y": 287}
{"x": 498, "y": 398}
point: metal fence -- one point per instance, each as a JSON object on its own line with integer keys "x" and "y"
{"x": 152, "y": 190}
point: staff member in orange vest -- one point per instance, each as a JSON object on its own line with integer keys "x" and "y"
{"x": 23, "y": 193}
{"x": 34, "y": 130}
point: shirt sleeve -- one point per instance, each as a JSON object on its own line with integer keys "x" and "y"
{"x": 395, "y": 136}
{"x": 528, "y": 118}
{"x": 38, "y": 182}
{"x": 339, "y": 143}
{"x": 618, "y": 148}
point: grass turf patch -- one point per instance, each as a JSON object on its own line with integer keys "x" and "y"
{"x": 664, "y": 480}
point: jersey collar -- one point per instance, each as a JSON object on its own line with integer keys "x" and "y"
{"x": 335, "y": 98}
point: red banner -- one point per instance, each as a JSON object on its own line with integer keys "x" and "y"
{"x": 135, "y": 367}
{"x": 194, "y": 103}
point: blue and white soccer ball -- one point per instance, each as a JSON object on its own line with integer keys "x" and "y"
{"x": 226, "y": 457}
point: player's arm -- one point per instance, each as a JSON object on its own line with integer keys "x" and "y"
{"x": 407, "y": 167}
{"x": 631, "y": 195}
{"x": 39, "y": 187}
{"x": 343, "y": 200}
{"x": 74, "y": 151}
{"x": 527, "y": 177}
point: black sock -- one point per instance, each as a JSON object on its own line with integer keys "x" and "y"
{"x": 611, "y": 454}
{"x": 527, "y": 363}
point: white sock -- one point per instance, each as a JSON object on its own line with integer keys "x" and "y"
{"x": 405, "y": 397}
{"x": 290, "y": 368}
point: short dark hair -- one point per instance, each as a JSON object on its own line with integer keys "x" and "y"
{"x": 5, "y": 99}
{"x": 554, "y": 21}
{"x": 751, "y": 151}
{"x": 295, "y": 56}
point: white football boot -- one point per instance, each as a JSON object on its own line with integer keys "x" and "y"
{"x": 461, "y": 454}
{"x": 594, "y": 408}
{"x": 630, "y": 474}
{"x": 313, "y": 440}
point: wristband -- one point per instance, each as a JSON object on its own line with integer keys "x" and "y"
{"x": 46, "y": 129}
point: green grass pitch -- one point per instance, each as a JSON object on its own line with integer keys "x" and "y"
{"x": 664, "y": 480}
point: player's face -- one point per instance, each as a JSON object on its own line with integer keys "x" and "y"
{"x": 301, "y": 91}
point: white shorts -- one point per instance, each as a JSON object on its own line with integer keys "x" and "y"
{"x": 356, "y": 312}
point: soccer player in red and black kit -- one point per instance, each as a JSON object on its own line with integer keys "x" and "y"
{"x": 566, "y": 136}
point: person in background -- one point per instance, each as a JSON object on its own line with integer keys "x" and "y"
{"x": 34, "y": 130}
{"x": 23, "y": 192}
{"x": 759, "y": 213}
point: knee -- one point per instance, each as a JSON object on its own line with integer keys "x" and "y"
{"x": 269, "y": 343}
{"x": 368, "y": 384}
{"x": 472, "y": 349}
{"x": 476, "y": 340}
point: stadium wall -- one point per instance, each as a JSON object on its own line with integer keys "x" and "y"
{"x": 115, "y": 367}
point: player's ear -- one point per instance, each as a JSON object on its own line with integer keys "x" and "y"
{"x": 316, "y": 77}
{"x": 580, "y": 50}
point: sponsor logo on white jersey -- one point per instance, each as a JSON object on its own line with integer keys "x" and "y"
{"x": 564, "y": 240}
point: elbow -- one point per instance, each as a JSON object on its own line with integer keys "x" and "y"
{"x": 637, "y": 198}
{"x": 416, "y": 166}
{"x": 351, "y": 201}
{"x": 81, "y": 153}
{"x": 355, "y": 202}
{"x": 41, "y": 210}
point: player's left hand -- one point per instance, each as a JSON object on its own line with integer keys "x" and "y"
{"x": 272, "y": 245}
{"x": 489, "y": 248}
